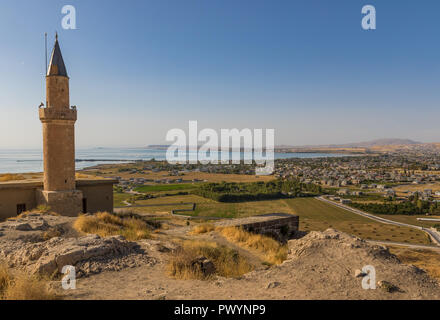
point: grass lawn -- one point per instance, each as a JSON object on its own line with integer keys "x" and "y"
{"x": 165, "y": 209}
{"x": 119, "y": 198}
{"x": 242, "y": 209}
{"x": 210, "y": 208}
{"x": 174, "y": 199}
{"x": 166, "y": 187}
{"x": 167, "y": 204}
{"x": 317, "y": 215}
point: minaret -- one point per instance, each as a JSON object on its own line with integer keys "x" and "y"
{"x": 58, "y": 120}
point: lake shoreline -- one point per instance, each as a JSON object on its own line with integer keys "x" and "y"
{"x": 28, "y": 160}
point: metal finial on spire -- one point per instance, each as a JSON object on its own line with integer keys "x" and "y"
{"x": 56, "y": 35}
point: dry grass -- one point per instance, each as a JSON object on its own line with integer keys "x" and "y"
{"x": 427, "y": 260}
{"x": 50, "y": 233}
{"x": 11, "y": 177}
{"x": 83, "y": 176}
{"x": 227, "y": 262}
{"x": 269, "y": 249}
{"x": 39, "y": 210}
{"x": 203, "y": 228}
{"x": 5, "y": 278}
{"x": 105, "y": 224}
{"x": 45, "y": 210}
{"x": 21, "y": 286}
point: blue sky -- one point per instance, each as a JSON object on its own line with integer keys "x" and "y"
{"x": 303, "y": 67}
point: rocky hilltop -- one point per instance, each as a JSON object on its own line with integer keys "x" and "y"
{"x": 320, "y": 265}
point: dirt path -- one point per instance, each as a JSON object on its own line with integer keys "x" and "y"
{"x": 407, "y": 245}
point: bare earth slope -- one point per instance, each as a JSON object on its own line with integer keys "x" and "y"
{"x": 321, "y": 265}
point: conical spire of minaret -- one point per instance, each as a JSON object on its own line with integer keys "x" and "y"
{"x": 56, "y": 65}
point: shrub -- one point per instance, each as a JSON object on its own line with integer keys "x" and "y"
{"x": 203, "y": 228}
{"x": 105, "y": 224}
{"x": 42, "y": 208}
{"x": 402, "y": 208}
{"x": 50, "y": 233}
{"x": 5, "y": 278}
{"x": 131, "y": 214}
{"x": 22, "y": 286}
{"x": 256, "y": 191}
{"x": 271, "y": 250}
{"x": 227, "y": 261}
{"x": 39, "y": 210}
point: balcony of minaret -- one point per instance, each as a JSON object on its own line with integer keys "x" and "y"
{"x": 48, "y": 114}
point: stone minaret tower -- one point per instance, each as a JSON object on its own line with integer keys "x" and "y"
{"x": 58, "y": 120}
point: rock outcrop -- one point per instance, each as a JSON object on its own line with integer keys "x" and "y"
{"x": 21, "y": 247}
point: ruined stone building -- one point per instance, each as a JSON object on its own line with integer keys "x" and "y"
{"x": 59, "y": 189}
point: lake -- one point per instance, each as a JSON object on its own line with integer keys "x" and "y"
{"x": 28, "y": 160}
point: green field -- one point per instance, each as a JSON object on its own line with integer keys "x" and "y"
{"x": 210, "y": 208}
{"x": 314, "y": 215}
{"x": 119, "y": 198}
{"x": 317, "y": 215}
{"x": 173, "y": 199}
{"x": 165, "y": 187}
{"x": 242, "y": 209}
{"x": 165, "y": 209}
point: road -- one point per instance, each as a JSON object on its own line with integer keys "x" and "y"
{"x": 435, "y": 237}
{"x": 408, "y": 245}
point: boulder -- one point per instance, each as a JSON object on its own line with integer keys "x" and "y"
{"x": 205, "y": 265}
{"x": 359, "y": 273}
{"x": 387, "y": 286}
{"x": 21, "y": 226}
{"x": 274, "y": 284}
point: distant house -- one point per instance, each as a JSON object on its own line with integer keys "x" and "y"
{"x": 390, "y": 193}
{"x": 344, "y": 183}
{"x": 343, "y": 192}
{"x": 428, "y": 192}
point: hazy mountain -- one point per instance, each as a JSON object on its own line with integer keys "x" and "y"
{"x": 364, "y": 144}
{"x": 381, "y": 142}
